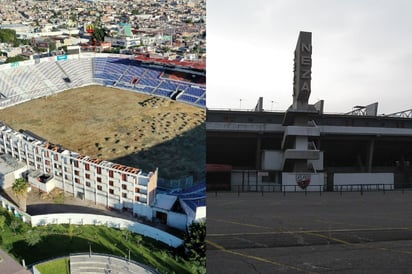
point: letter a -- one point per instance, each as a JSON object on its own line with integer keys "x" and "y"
{"x": 305, "y": 87}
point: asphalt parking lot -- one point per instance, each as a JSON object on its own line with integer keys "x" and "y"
{"x": 313, "y": 233}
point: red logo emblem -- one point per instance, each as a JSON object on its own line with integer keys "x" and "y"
{"x": 303, "y": 180}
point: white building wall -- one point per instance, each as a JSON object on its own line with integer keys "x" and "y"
{"x": 354, "y": 181}
{"x": 142, "y": 210}
{"x": 272, "y": 159}
{"x": 200, "y": 213}
{"x": 176, "y": 220}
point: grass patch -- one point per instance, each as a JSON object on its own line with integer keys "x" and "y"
{"x": 60, "y": 266}
{"x": 61, "y": 240}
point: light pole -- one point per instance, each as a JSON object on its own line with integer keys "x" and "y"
{"x": 240, "y": 105}
{"x": 90, "y": 249}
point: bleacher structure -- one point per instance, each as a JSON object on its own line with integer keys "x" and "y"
{"x": 28, "y": 80}
{"x": 101, "y": 263}
{"x": 103, "y": 182}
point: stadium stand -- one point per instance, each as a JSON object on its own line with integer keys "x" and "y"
{"x": 79, "y": 71}
{"x": 45, "y": 77}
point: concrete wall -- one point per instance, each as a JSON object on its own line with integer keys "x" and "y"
{"x": 176, "y": 220}
{"x": 272, "y": 159}
{"x": 289, "y": 182}
{"x": 142, "y": 210}
{"x": 7, "y": 180}
{"x": 91, "y": 219}
{"x": 353, "y": 181}
{"x": 201, "y": 213}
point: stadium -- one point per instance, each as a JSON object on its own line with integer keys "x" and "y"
{"x": 304, "y": 148}
{"x": 304, "y": 191}
{"x": 167, "y": 96}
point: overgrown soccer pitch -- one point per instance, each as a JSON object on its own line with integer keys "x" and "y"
{"x": 121, "y": 126}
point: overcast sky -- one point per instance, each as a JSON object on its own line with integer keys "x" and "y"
{"x": 362, "y": 52}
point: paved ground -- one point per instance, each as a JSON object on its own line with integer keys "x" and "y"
{"x": 9, "y": 265}
{"x": 352, "y": 233}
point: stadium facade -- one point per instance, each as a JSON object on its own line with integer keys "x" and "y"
{"x": 117, "y": 186}
{"x": 305, "y": 149}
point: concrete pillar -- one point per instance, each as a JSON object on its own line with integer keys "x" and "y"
{"x": 258, "y": 150}
{"x": 370, "y": 155}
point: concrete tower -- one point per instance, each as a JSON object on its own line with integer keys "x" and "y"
{"x": 301, "y": 134}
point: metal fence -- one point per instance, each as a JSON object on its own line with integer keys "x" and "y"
{"x": 277, "y": 188}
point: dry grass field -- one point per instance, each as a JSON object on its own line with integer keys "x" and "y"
{"x": 120, "y": 126}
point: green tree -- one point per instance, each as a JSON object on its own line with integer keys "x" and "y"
{"x": 52, "y": 46}
{"x": 20, "y": 187}
{"x": 32, "y": 237}
{"x": 70, "y": 231}
{"x": 194, "y": 243}
{"x": 8, "y": 36}
{"x": 126, "y": 234}
{"x": 2, "y": 222}
{"x": 15, "y": 59}
{"x": 14, "y": 225}
{"x": 99, "y": 34}
{"x": 138, "y": 238}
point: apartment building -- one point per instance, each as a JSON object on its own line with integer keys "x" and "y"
{"x": 103, "y": 182}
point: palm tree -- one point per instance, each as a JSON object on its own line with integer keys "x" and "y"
{"x": 19, "y": 188}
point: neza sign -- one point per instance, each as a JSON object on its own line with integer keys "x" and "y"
{"x": 302, "y": 68}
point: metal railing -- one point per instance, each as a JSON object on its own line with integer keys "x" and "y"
{"x": 277, "y": 188}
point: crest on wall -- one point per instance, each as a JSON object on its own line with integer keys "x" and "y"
{"x": 303, "y": 180}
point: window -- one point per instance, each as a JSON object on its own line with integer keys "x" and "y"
{"x": 76, "y": 172}
{"x": 124, "y": 177}
{"x": 87, "y": 166}
{"x": 124, "y": 195}
{"x": 99, "y": 179}
{"x": 124, "y": 186}
{"x": 88, "y": 184}
{"x": 110, "y": 183}
{"x": 137, "y": 190}
{"x": 137, "y": 198}
{"x": 99, "y": 187}
{"x": 111, "y": 191}
{"x": 56, "y": 157}
{"x": 47, "y": 162}
{"x": 99, "y": 170}
{"x": 111, "y": 173}
{"x": 77, "y": 180}
{"x": 87, "y": 176}
{"x": 76, "y": 163}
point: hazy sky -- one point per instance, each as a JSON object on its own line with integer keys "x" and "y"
{"x": 362, "y": 52}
